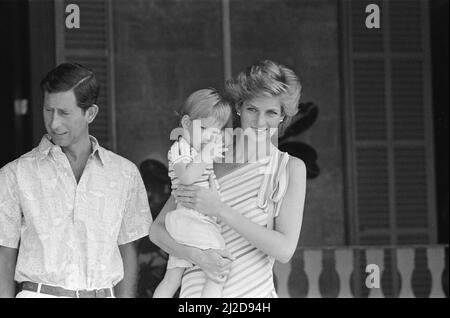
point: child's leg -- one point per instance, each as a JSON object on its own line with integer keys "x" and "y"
{"x": 211, "y": 289}
{"x": 170, "y": 283}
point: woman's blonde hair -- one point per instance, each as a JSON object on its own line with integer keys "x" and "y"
{"x": 207, "y": 103}
{"x": 266, "y": 78}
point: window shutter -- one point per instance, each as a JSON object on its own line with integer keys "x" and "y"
{"x": 91, "y": 45}
{"x": 389, "y": 124}
{"x": 389, "y": 136}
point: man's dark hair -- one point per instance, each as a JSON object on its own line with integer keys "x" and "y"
{"x": 67, "y": 76}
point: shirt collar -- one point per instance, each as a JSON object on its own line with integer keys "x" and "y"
{"x": 46, "y": 145}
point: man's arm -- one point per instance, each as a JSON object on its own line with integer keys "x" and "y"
{"x": 8, "y": 257}
{"x": 136, "y": 223}
{"x": 126, "y": 288}
{"x": 10, "y": 226}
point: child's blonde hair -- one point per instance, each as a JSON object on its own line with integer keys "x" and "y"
{"x": 207, "y": 103}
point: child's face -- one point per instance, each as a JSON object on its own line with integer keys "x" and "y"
{"x": 210, "y": 129}
{"x": 206, "y": 129}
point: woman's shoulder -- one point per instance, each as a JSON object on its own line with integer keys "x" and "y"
{"x": 296, "y": 166}
{"x": 293, "y": 163}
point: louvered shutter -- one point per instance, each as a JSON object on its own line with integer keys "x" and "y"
{"x": 389, "y": 142}
{"x": 91, "y": 45}
{"x": 389, "y": 124}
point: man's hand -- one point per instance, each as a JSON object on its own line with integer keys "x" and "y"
{"x": 8, "y": 258}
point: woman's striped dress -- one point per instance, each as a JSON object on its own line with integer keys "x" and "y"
{"x": 254, "y": 190}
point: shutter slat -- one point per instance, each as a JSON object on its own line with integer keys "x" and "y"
{"x": 406, "y": 25}
{"x": 369, "y": 99}
{"x": 363, "y": 39}
{"x": 411, "y": 187}
{"x": 407, "y": 99}
{"x": 90, "y": 46}
{"x": 93, "y": 32}
{"x": 372, "y": 181}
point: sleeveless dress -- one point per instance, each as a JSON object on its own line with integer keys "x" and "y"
{"x": 255, "y": 191}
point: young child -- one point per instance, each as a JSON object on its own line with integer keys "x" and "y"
{"x": 191, "y": 162}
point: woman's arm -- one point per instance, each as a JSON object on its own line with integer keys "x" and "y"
{"x": 279, "y": 243}
{"x": 214, "y": 263}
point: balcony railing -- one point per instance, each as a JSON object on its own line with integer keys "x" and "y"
{"x": 404, "y": 271}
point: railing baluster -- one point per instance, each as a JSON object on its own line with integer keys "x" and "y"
{"x": 313, "y": 268}
{"x": 375, "y": 256}
{"x": 344, "y": 268}
{"x": 405, "y": 264}
{"x": 282, "y": 272}
{"x": 345, "y": 257}
{"x": 436, "y": 265}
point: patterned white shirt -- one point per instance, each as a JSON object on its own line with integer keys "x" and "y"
{"x": 70, "y": 233}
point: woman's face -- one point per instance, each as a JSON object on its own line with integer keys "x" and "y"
{"x": 261, "y": 113}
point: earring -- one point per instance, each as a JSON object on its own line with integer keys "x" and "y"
{"x": 238, "y": 113}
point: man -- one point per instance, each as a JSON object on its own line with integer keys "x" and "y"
{"x": 76, "y": 208}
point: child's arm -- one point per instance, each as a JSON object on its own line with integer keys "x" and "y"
{"x": 189, "y": 172}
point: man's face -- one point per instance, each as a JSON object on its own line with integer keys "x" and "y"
{"x": 65, "y": 122}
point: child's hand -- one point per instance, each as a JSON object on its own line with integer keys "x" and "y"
{"x": 214, "y": 149}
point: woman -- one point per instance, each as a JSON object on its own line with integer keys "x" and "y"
{"x": 262, "y": 192}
